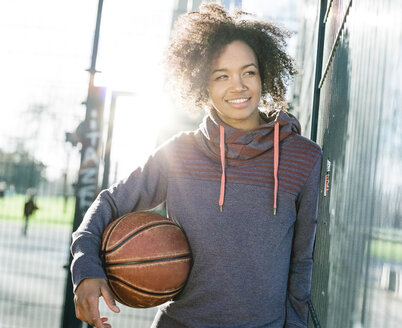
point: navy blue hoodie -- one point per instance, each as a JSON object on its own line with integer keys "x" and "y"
{"x": 250, "y": 222}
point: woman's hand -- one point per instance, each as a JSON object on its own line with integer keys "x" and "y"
{"x": 86, "y": 301}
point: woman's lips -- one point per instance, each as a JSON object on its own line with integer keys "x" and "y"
{"x": 239, "y": 102}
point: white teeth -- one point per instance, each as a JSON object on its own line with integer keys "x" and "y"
{"x": 238, "y": 101}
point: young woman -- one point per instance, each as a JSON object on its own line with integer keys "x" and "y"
{"x": 244, "y": 186}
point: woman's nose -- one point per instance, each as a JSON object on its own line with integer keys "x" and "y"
{"x": 238, "y": 84}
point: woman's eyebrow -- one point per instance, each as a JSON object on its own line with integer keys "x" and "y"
{"x": 225, "y": 69}
{"x": 252, "y": 64}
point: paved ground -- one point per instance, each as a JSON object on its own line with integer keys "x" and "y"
{"x": 385, "y": 305}
{"x": 32, "y": 279}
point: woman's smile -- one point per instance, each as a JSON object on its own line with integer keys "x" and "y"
{"x": 235, "y": 86}
{"x": 239, "y": 103}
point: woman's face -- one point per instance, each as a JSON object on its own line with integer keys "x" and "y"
{"x": 235, "y": 86}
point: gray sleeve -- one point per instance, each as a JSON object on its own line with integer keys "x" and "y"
{"x": 144, "y": 189}
{"x": 301, "y": 263}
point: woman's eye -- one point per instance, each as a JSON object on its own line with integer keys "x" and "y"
{"x": 250, "y": 73}
{"x": 221, "y": 77}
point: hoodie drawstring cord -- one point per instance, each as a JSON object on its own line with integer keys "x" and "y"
{"x": 276, "y": 162}
{"x": 222, "y": 147}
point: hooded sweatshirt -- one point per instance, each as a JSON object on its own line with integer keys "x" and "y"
{"x": 247, "y": 201}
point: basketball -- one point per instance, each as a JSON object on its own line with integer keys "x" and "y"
{"x": 146, "y": 258}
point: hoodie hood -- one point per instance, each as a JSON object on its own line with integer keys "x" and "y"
{"x": 244, "y": 145}
{"x": 225, "y": 144}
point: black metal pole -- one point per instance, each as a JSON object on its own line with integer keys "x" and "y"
{"x": 318, "y": 70}
{"x": 92, "y": 70}
{"x": 315, "y": 112}
{"x": 86, "y": 187}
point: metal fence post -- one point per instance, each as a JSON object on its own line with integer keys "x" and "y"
{"x": 90, "y": 134}
{"x": 318, "y": 70}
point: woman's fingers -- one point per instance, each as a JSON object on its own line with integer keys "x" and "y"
{"x": 109, "y": 300}
{"x": 86, "y": 301}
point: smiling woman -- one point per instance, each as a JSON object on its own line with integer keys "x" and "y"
{"x": 235, "y": 86}
{"x": 249, "y": 215}
{"x": 193, "y": 51}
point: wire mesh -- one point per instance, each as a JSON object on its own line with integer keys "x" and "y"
{"x": 44, "y": 82}
{"x": 358, "y": 263}
{"x": 358, "y": 256}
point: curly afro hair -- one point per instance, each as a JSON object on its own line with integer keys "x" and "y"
{"x": 199, "y": 37}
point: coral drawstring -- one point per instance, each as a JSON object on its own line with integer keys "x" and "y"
{"x": 276, "y": 163}
{"x": 222, "y": 148}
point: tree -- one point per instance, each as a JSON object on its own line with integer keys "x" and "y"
{"x": 21, "y": 170}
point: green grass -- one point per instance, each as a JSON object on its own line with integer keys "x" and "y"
{"x": 386, "y": 250}
{"x": 52, "y": 209}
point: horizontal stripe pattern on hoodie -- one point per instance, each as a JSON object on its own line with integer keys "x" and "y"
{"x": 251, "y": 268}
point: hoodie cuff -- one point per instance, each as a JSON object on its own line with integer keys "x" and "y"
{"x": 84, "y": 267}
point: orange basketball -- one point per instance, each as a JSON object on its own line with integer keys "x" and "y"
{"x": 146, "y": 258}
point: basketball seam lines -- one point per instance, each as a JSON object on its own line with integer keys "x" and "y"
{"x": 116, "y": 295}
{"x": 144, "y": 291}
{"x": 165, "y": 259}
{"x": 103, "y": 252}
{"x": 134, "y": 234}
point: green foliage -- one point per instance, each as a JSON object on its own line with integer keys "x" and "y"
{"x": 21, "y": 170}
{"x": 52, "y": 209}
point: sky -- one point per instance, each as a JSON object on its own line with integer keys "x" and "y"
{"x": 46, "y": 50}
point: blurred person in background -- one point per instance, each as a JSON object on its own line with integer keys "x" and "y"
{"x": 3, "y": 187}
{"x": 29, "y": 208}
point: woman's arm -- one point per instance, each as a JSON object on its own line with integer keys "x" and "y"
{"x": 301, "y": 263}
{"x": 144, "y": 189}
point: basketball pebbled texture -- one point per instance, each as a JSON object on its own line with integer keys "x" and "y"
{"x": 146, "y": 258}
